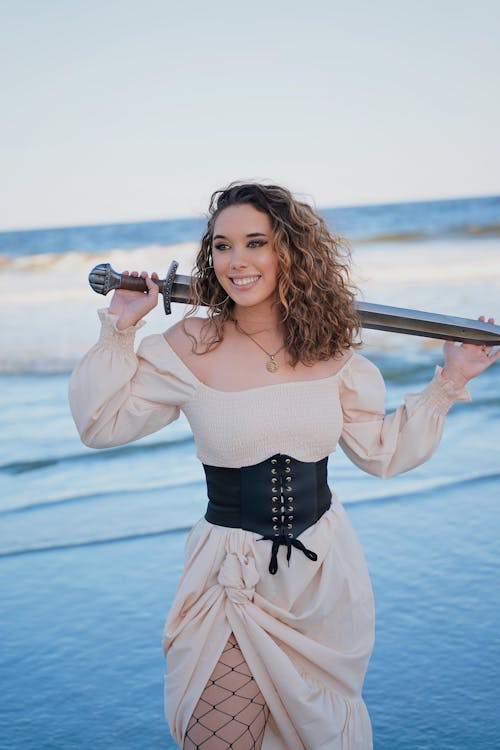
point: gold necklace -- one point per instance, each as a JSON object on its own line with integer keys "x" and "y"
{"x": 271, "y": 364}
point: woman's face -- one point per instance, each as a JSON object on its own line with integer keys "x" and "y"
{"x": 245, "y": 262}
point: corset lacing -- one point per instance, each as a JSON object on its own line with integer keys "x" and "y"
{"x": 297, "y": 491}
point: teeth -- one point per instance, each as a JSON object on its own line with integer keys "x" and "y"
{"x": 244, "y": 282}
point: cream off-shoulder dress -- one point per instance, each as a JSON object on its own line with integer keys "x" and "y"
{"x": 306, "y": 632}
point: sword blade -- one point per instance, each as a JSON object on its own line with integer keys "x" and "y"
{"x": 431, "y": 325}
{"x": 380, "y": 317}
{"x": 399, "y": 320}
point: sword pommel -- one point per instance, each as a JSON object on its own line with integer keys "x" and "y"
{"x": 103, "y": 278}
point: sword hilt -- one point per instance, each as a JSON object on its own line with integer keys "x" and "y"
{"x": 103, "y": 279}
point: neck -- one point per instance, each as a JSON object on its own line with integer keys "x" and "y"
{"x": 258, "y": 318}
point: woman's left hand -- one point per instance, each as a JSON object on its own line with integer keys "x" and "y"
{"x": 465, "y": 361}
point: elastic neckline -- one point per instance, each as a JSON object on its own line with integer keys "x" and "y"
{"x": 255, "y": 387}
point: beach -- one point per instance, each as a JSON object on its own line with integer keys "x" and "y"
{"x": 91, "y": 542}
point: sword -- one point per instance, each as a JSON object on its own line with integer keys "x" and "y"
{"x": 176, "y": 288}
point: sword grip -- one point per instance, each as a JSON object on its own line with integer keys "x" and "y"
{"x": 134, "y": 283}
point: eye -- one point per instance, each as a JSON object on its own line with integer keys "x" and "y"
{"x": 221, "y": 246}
{"x": 257, "y": 243}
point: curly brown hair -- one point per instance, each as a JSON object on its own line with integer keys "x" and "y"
{"x": 316, "y": 297}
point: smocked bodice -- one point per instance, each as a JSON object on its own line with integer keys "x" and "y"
{"x": 118, "y": 395}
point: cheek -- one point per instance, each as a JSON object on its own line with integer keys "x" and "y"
{"x": 219, "y": 267}
{"x": 218, "y": 262}
{"x": 273, "y": 266}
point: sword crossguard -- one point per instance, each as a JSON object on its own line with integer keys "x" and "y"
{"x": 167, "y": 286}
{"x": 103, "y": 279}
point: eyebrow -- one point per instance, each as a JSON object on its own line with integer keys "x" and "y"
{"x": 252, "y": 234}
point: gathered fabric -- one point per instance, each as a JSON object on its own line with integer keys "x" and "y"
{"x": 238, "y": 576}
{"x": 306, "y": 632}
{"x": 305, "y": 622}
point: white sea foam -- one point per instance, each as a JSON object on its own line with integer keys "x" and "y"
{"x": 51, "y": 308}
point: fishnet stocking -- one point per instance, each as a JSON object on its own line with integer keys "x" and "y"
{"x": 231, "y": 713}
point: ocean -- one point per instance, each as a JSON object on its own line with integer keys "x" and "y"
{"x": 91, "y": 541}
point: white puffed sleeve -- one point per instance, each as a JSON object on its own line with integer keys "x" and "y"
{"x": 387, "y": 445}
{"x": 117, "y": 395}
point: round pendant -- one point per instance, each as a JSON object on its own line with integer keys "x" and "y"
{"x": 271, "y": 366}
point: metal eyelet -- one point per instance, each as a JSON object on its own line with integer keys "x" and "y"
{"x": 275, "y": 528}
{"x": 290, "y": 518}
{"x": 290, "y": 499}
{"x": 275, "y": 489}
{"x": 275, "y": 518}
{"x": 288, "y": 489}
{"x": 290, "y": 509}
{"x": 290, "y": 535}
{"x": 274, "y": 480}
{"x": 274, "y": 471}
{"x": 288, "y": 470}
{"x": 274, "y": 460}
{"x": 275, "y": 510}
{"x": 276, "y": 535}
{"x": 287, "y": 460}
{"x": 289, "y": 526}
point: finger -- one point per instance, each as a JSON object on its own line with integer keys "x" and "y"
{"x": 447, "y": 346}
{"x": 493, "y": 358}
{"x": 152, "y": 287}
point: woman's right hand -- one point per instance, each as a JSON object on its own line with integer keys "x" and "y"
{"x": 132, "y": 306}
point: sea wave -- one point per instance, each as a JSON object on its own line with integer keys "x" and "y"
{"x": 85, "y": 497}
{"x": 423, "y": 488}
{"x": 21, "y": 467}
{"x": 72, "y": 262}
{"x": 397, "y": 377}
{"x": 389, "y": 222}
{"x": 161, "y": 254}
{"x": 90, "y": 542}
{"x": 52, "y": 310}
{"x": 460, "y": 231}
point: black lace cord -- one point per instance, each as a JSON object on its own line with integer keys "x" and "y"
{"x": 289, "y": 543}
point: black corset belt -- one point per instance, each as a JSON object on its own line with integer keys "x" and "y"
{"x": 278, "y": 498}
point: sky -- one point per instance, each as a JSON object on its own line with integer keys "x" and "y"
{"x": 125, "y": 110}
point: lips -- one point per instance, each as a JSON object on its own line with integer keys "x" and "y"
{"x": 244, "y": 282}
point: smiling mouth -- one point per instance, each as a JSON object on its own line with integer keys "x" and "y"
{"x": 248, "y": 281}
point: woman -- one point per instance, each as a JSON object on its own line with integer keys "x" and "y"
{"x": 271, "y": 630}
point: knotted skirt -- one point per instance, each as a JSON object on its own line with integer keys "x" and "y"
{"x": 306, "y": 632}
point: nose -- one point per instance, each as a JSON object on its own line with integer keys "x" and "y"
{"x": 238, "y": 258}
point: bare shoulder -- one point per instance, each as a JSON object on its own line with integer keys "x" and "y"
{"x": 343, "y": 358}
{"x": 354, "y": 361}
{"x": 179, "y": 335}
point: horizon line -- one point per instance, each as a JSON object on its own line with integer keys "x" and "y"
{"x": 151, "y": 220}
